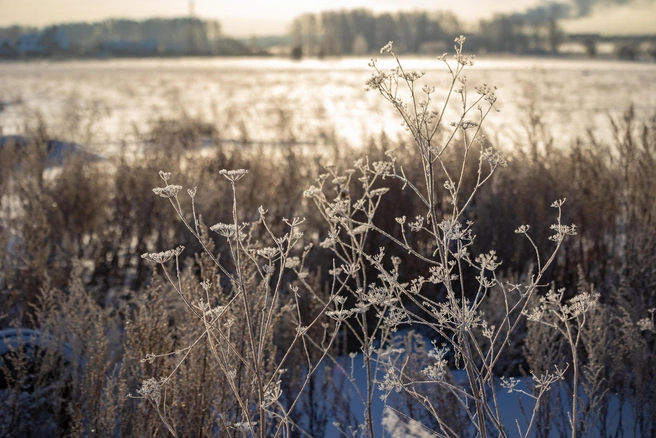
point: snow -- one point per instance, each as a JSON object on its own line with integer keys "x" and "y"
{"x": 515, "y": 407}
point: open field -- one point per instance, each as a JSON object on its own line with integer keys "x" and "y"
{"x": 105, "y": 102}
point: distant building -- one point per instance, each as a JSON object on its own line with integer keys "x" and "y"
{"x": 54, "y": 39}
{"x": 130, "y": 48}
{"x": 30, "y": 45}
{"x": 47, "y": 42}
{"x": 7, "y": 49}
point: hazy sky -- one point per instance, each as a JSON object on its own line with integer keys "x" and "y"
{"x": 264, "y": 17}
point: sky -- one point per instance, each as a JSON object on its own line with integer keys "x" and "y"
{"x": 243, "y": 18}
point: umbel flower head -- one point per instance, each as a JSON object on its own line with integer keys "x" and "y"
{"x": 151, "y": 389}
{"x": 164, "y": 256}
{"x": 169, "y": 191}
{"x": 233, "y": 175}
{"x": 226, "y": 230}
{"x": 387, "y": 48}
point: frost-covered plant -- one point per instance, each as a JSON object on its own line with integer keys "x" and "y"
{"x": 442, "y": 301}
{"x": 259, "y": 289}
{"x": 239, "y": 311}
{"x": 568, "y": 319}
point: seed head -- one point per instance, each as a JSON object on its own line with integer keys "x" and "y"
{"x": 169, "y": 191}
{"x": 164, "y": 256}
{"x": 233, "y": 175}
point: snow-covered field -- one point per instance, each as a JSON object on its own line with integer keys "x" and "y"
{"x": 105, "y": 102}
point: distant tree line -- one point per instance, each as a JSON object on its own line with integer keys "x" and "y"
{"x": 157, "y": 37}
{"x": 518, "y": 33}
{"x": 329, "y": 33}
{"x": 360, "y": 31}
